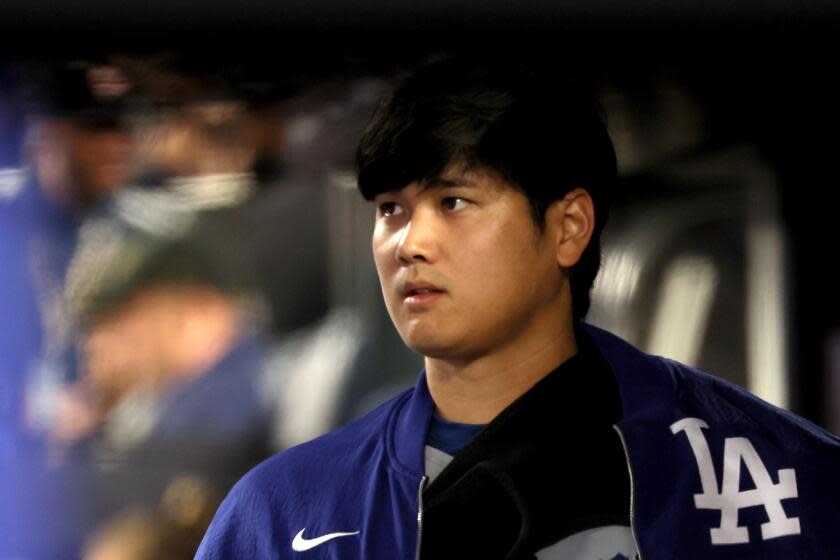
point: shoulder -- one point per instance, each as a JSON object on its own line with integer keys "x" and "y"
{"x": 657, "y": 387}
{"x": 344, "y": 449}
{"x": 314, "y": 474}
{"x": 19, "y": 200}
{"x": 728, "y": 403}
{"x": 12, "y": 183}
{"x": 704, "y": 449}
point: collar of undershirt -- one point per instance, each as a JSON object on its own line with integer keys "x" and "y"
{"x": 451, "y": 437}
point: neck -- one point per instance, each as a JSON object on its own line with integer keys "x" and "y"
{"x": 475, "y": 391}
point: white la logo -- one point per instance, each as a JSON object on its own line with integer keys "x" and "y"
{"x": 730, "y": 499}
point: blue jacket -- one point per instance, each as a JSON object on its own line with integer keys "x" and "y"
{"x": 715, "y": 473}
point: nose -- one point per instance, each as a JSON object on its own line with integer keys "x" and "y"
{"x": 417, "y": 241}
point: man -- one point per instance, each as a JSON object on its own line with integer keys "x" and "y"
{"x": 529, "y": 434}
{"x": 77, "y": 151}
{"x": 74, "y": 149}
{"x": 172, "y": 366}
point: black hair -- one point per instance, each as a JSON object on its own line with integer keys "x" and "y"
{"x": 542, "y": 135}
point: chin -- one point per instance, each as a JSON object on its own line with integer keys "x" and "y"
{"x": 435, "y": 347}
{"x": 429, "y": 346}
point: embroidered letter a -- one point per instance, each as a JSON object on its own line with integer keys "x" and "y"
{"x": 730, "y": 499}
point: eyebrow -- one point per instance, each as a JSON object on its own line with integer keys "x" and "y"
{"x": 438, "y": 182}
{"x": 444, "y": 183}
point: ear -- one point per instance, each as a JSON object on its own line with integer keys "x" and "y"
{"x": 571, "y": 221}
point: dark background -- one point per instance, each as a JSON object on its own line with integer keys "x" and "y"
{"x": 764, "y": 74}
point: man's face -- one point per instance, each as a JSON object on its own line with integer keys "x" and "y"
{"x": 77, "y": 165}
{"x": 131, "y": 346}
{"x": 464, "y": 269}
{"x": 100, "y": 160}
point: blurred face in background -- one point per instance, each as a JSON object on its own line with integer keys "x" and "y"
{"x": 159, "y": 338}
{"x": 205, "y": 138}
{"x": 77, "y": 164}
{"x": 100, "y": 160}
{"x": 131, "y": 346}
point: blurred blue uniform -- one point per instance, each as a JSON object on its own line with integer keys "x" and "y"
{"x": 215, "y": 427}
{"x": 41, "y": 510}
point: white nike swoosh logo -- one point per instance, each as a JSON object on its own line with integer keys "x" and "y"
{"x": 301, "y": 544}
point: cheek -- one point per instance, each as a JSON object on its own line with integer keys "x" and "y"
{"x": 502, "y": 269}
{"x": 492, "y": 290}
{"x": 383, "y": 256}
{"x": 487, "y": 259}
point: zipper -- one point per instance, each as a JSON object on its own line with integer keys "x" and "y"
{"x": 632, "y": 492}
{"x": 420, "y": 516}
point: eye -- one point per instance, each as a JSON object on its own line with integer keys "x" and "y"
{"x": 389, "y": 209}
{"x": 453, "y": 203}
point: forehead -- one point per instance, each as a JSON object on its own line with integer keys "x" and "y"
{"x": 460, "y": 176}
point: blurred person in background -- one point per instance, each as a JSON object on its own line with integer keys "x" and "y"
{"x": 171, "y": 345}
{"x": 74, "y": 149}
{"x": 214, "y": 149}
{"x": 172, "y": 354}
{"x": 81, "y": 145}
{"x": 529, "y": 434}
{"x": 77, "y": 150}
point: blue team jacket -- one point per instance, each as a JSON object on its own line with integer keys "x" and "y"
{"x": 715, "y": 473}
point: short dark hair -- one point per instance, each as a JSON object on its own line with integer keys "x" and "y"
{"x": 542, "y": 135}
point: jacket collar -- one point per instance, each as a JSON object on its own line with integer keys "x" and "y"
{"x": 645, "y": 386}
{"x": 411, "y": 426}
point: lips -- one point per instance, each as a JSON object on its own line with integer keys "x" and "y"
{"x": 420, "y": 294}
{"x": 411, "y": 289}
